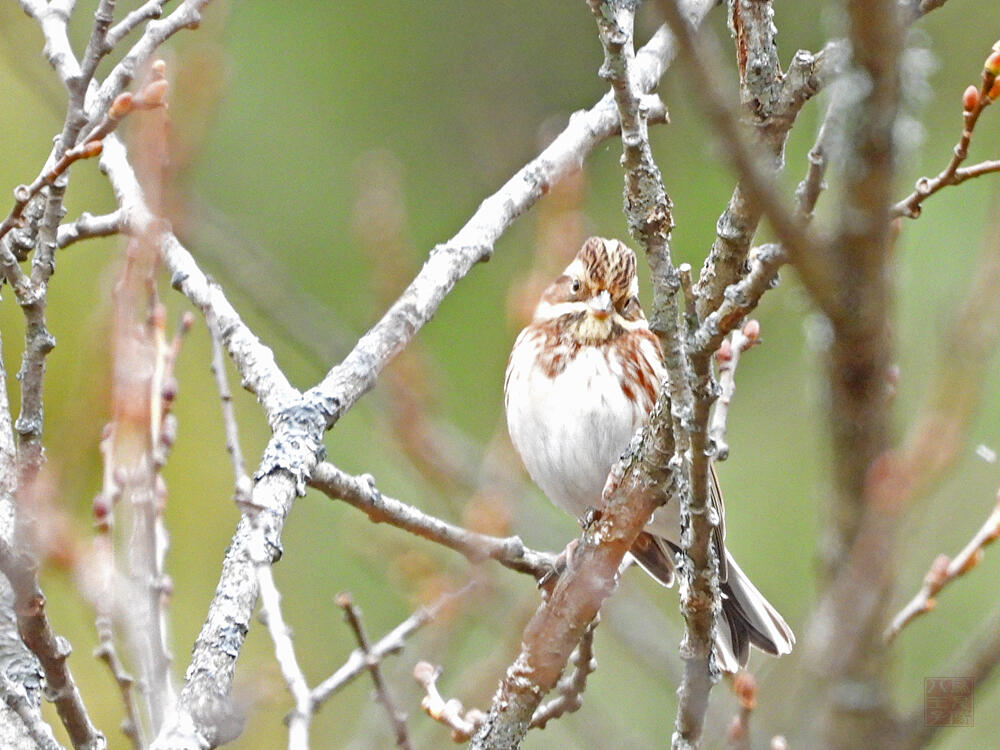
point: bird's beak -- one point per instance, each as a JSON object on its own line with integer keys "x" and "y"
{"x": 600, "y": 306}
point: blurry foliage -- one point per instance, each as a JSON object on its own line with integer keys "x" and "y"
{"x": 276, "y": 110}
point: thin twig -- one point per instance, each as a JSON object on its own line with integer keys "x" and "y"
{"x": 769, "y": 103}
{"x": 740, "y": 299}
{"x": 391, "y": 643}
{"x": 398, "y": 718}
{"x": 462, "y": 722}
{"x": 943, "y": 571}
{"x": 363, "y": 495}
{"x": 974, "y": 102}
{"x": 757, "y": 180}
{"x": 745, "y": 687}
{"x": 241, "y": 480}
{"x": 107, "y": 653}
{"x": 728, "y": 357}
{"x": 148, "y": 10}
{"x": 284, "y": 653}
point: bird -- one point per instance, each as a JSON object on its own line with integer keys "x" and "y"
{"x": 581, "y": 379}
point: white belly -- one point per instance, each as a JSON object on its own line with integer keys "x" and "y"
{"x": 570, "y": 429}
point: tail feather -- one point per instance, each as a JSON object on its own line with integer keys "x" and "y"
{"x": 748, "y": 618}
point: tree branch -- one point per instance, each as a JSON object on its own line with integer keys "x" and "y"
{"x": 391, "y": 643}
{"x": 398, "y": 718}
{"x": 756, "y": 180}
{"x": 363, "y": 495}
{"x": 943, "y": 571}
{"x": 974, "y": 102}
{"x": 52, "y": 651}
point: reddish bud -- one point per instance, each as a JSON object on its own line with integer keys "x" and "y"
{"x": 92, "y": 148}
{"x": 970, "y": 99}
{"x": 745, "y": 688}
{"x": 725, "y": 352}
{"x": 751, "y": 329}
{"x": 154, "y": 93}
{"x": 121, "y": 106}
{"x": 159, "y": 67}
{"x": 994, "y": 92}
{"x": 992, "y": 64}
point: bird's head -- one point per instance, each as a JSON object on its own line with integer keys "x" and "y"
{"x": 597, "y": 296}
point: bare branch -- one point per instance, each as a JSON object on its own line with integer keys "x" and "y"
{"x": 745, "y": 687}
{"x": 363, "y": 495}
{"x": 284, "y": 652}
{"x": 353, "y": 616}
{"x": 148, "y": 10}
{"x": 463, "y": 723}
{"x": 572, "y": 686}
{"x": 689, "y": 382}
{"x": 186, "y": 15}
{"x": 454, "y": 259}
{"x": 89, "y": 226}
{"x": 391, "y": 643}
{"x": 728, "y": 357}
{"x": 943, "y": 571}
{"x": 241, "y": 480}
{"x": 52, "y": 651}
{"x": 98, "y": 45}
{"x": 770, "y": 101}
{"x": 53, "y": 18}
{"x": 740, "y": 299}
{"x": 47, "y": 177}
{"x": 757, "y": 180}
{"x": 106, "y": 652}
{"x": 254, "y": 361}
{"x": 974, "y": 102}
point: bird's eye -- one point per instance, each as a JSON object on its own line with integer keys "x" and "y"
{"x": 574, "y": 288}
{"x": 631, "y": 309}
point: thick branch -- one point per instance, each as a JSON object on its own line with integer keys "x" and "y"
{"x": 557, "y": 626}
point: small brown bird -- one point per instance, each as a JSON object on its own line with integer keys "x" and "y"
{"x": 582, "y": 378}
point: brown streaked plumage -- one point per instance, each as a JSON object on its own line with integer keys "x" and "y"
{"x": 582, "y": 378}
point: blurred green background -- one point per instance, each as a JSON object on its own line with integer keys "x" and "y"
{"x": 320, "y": 151}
